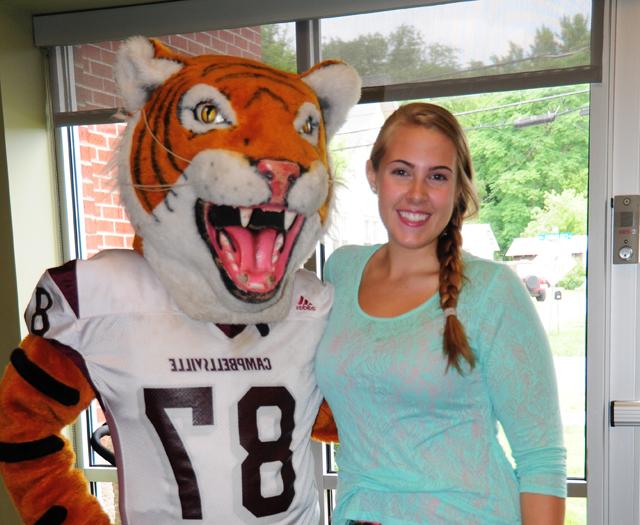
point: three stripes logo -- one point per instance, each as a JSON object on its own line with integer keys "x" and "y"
{"x": 305, "y": 304}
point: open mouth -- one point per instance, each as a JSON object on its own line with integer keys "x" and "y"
{"x": 250, "y": 246}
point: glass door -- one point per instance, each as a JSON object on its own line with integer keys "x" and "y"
{"x": 613, "y": 365}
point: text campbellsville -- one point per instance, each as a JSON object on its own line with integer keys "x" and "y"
{"x": 223, "y": 364}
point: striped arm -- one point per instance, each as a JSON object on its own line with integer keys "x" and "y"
{"x": 42, "y": 391}
{"x": 324, "y": 428}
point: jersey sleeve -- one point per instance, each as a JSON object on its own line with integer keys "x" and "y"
{"x": 52, "y": 312}
{"x": 520, "y": 374}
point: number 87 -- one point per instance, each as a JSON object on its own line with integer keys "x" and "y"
{"x": 199, "y": 399}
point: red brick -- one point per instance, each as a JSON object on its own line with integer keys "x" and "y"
{"x": 113, "y": 241}
{"x": 105, "y": 226}
{"x": 90, "y": 81}
{"x": 103, "y": 100}
{"x": 128, "y": 241}
{"x": 97, "y": 140}
{"x": 107, "y": 56}
{"x": 104, "y": 155}
{"x": 83, "y": 95}
{"x": 227, "y": 35}
{"x": 101, "y": 70}
{"x": 92, "y": 243}
{"x": 110, "y": 86}
{"x": 107, "y": 129}
{"x": 86, "y": 51}
{"x": 204, "y": 38}
{"x": 89, "y": 225}
{"x": 242, "y": 43}
{"x": 87, "y": 152}
{"x": 83, "y": 133}
{"x": 255, "y": 51}
{"x": 179, "y": 43}
{"x": 220, "y": 46}
{"x": 194, "y": 48}
{"x": 124, "y": 228}
{"x": 110, "y": 212}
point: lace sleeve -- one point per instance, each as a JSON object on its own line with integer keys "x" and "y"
{"x": 520, "y": 375}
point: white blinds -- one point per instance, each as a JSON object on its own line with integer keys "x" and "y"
{"x": 186, "y": 16}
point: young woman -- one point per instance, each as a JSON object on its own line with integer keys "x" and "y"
{"x": 428, "y": 348}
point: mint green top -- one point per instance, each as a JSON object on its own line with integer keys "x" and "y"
{"x": 418, "y": 445}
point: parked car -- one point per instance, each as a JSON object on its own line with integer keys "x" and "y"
{"x": 537, "y": 286}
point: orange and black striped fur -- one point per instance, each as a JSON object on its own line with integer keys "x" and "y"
{"x": 218, "y": 151}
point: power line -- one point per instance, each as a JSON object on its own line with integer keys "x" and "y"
{"x": 484, "y": 110}
{"x": 521, "y": 103}
{"x": 582, "y": 110}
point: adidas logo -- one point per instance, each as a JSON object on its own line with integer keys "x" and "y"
{"x": 305, "y": 304}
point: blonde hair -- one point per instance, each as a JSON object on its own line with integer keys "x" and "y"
{"x": 449, "y": 248}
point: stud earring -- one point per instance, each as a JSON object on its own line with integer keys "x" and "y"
{"x": 374, "y": 189}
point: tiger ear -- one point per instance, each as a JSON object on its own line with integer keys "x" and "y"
{"x": 141, "y": 66}
{"x": 337, "y": 86}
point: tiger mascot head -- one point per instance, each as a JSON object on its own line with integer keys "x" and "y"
{"x": 224, "y": 173}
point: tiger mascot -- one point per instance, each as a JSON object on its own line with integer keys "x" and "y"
{"x": 199, "y": 343}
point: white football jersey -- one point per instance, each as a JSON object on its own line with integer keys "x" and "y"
{"x": 207, "y": 428}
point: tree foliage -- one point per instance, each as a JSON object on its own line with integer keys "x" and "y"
{"x": 277, "y": 49}
{"x": 401, "y": 56}
{"x": 533, "y": 178}
{"x": 562, "y": 212}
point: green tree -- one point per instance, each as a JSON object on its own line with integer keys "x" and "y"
{"x": 517, "y": 168}
{"x": 574, "y": 33}
{"x": 401, "y": 56}
{"x": 562, "y": 212}
{"x": 511, "y": 61}
{"x": 277, "y": 51}
{"x": 367, "y": 53}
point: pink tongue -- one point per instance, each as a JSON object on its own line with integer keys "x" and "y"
{"x": 254, "y": 250}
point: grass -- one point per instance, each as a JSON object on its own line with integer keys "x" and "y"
{"x": 569, "y": 340}
{"x": 576, "y": 511}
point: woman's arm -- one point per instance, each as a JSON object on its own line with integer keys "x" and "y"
{"x": 519, "y": 371}
{"x": 540, "y": 509}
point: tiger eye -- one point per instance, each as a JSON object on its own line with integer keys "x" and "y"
{"x": 208, "y": 113}
{"x": 307, "y": 127}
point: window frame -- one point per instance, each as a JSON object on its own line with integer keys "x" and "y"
{"x": 308, "y": 52}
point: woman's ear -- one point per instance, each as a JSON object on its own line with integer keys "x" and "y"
{"x": 371, "y": 176}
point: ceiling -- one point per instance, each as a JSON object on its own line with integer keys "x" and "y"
{"x": 37, "y": 7}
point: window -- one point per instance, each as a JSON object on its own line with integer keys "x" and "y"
{"x": 514, "y": 73}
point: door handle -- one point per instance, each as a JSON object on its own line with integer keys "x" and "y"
{"x": 625, "y": 414}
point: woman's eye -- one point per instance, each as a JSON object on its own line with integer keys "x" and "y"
{"x": 400, "y": 172}
{"x": 209, "y": 114}
{"x": 439, "y": 177}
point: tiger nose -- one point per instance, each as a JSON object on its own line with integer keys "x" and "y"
{"x": 280, "y": 174}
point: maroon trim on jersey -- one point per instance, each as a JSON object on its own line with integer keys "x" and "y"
{"x": 65, "y": 278}
{"x": 78, "y": 360}
{"x": 231, "y": 330}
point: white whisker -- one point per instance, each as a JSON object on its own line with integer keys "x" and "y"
{"x": 156, "y": 187}
{"x": 146, "y": 125}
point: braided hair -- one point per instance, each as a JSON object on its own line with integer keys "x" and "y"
{"x": 449, "y": 249}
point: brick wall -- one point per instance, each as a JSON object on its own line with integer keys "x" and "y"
{"x": 106, "y": 225}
